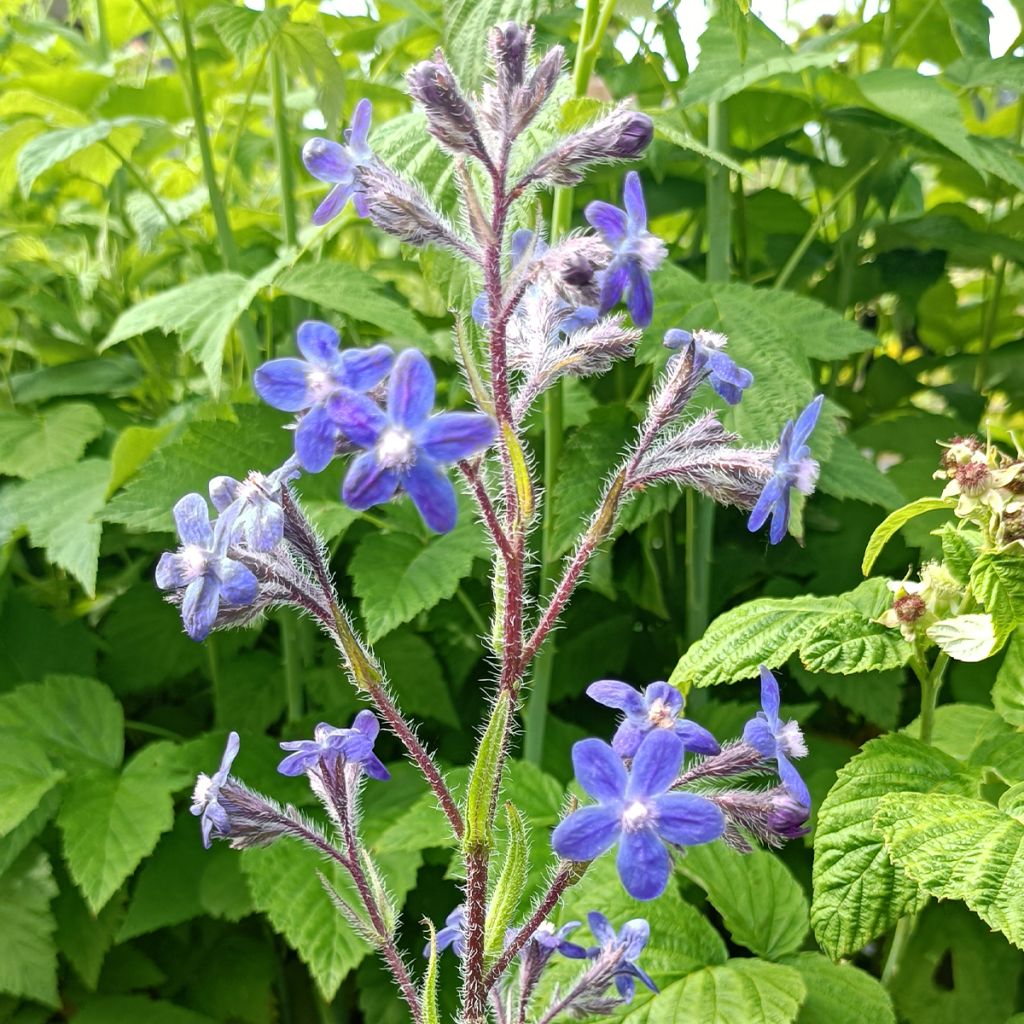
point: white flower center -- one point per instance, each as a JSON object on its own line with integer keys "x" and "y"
{"x": 661, "y": 716}
{"x": 791, "y": 739}
{"x": 320, "y": 385}
{"x": 395, "y": 448}
{"x": 204, "y": 785}
{"x": 635, "y": 816}
{"x": 806, "y": 475}
{"x": 195, "y": 561}
{"x": 649, "y": 250}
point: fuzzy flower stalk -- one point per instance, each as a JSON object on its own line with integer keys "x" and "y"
{"x": 545, "y": 309}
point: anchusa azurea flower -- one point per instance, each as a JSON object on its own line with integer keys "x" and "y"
{"x": 259, "y": 515}
{"x": 337, "y": 164}
{"x": 453, "y": 934}
{"x": 794, "y": 467}
{"x": 206, "y": 806}
{"x": 330, "y": 745}
{"x": 711, "y": 359}
{"x": 627, "y": 944}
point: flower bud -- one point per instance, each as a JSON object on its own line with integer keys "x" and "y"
{"x": 509, "y": 46}
{"x": 450, "y": 118}
{"x": 534, "y": 94}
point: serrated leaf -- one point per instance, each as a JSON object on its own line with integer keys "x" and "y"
{"x": 351, "y": 291}
{"x": 761, "y": 903}
{"x": 254, "y": 440}
{"x": 397, "y": 575}
{"x": 998, "y": 582}
{"x": 751, "y": 991}
{"x": 60, "y": 509}
{"x": 670, "y": 126}
{"x": 202, "y": 312}
{"x": 965, "y": 637}
{"x": 959, "y": 848}
{"x": 132, "y": 1009}
{"x": 109, "y": 822}
{"x": 83, "y": 937}
{"x": 26, "y": 776}
{"x": 850, "y": 642}
{"x": 858, "y": 892}
{"x": 244, "y": 31}
{"x": 1008, "y": 689}
{"x": 416, "y": 677}
{"x": 887, "y": 528}
{"x": 33, "y": 444}
{"x": 28, "y": 955}
{"x": 960, "y": 547}
{"x": 840, "y": 993}
{"x": 76, "y": 721}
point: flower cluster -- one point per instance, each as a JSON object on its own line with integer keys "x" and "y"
{"x": 638, "y": 782}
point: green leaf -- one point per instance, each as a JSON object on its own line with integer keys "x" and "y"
{"x": 46, "y": 151}
{"x": 849, "y": 474}
{"x": 960, "y": 547}
{"x": 30, "y": 445}
{"x": 397, "y": 575}
{"x": 671, "y": 127}
{"x": 304, "y": 48}
{"x": 761, "y": 903}
{"x": 840, "y": 993}
{"x": 254, "y": 439}
{"x": 849, "y": 642}
{"x": 83, "y": 937}
{"x": 202, "y": 312}
{"x": 965, "y": 637}
{"x": 76, "y": 721}
{"x": 28, "y": 955}
{"x": 892, "y": 522}
{"x": 242, "y": 30}
{"x": 1008, "y": 689}
{"x": 969, "y": 20}
{"x": 511, "y": 883}
{"x": 480, "y": 791}
{"x": 959, "y": 848}
{"x": 132, "y": 1009}
{"x": 133, "y": 447}
{"x": 355, "y": 293}
{"x": 998, "y": 582}
{"x": 751, "y": 991}
{"x": 12, "y": 844}
{"x": 60, "y": 510}
{"x": 858, "y": 892}
{"x": 26, "y": 776}
{"x": 110, "y": 821}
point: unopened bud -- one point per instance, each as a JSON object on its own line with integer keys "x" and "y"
{"x": 510, "y": 46}
{"x": 450, "y": 118}
{"x": 535, "y": 93}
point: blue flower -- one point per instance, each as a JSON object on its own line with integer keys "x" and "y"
{"x": 201, "y": 568}
{"x": 330, "y": 745}
{"x": 306, "y": 385}
{"x": 453, "y": 934}
{"x": 405, "y": 446}
{"x": 794, "y": 467}
{"x": 636, "y": 811}
{"x": 337, "y": 164}
{"x": 658, "y": 707}
{"x": 259, "y": 517}
{"x": 635, "y": 251}
{"x": 724, "y": 376}
{"x": 548, "y": 940}
{"x": 774, "y": 739}
{"x": 206, "y": 796}
{"x": 630, "y": 940}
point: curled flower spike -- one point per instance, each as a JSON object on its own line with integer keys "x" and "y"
{"x": 206, "y": 795}
{"x": 200, "y": 569}
{"x": 636, "y": 811}
{"x": 336, "y": 164}
{"x": 453, "y": 934}
{"x": 331, "y": 745}
{"x": 635, "y": 251}
{"x": 773, "y": 738}
{"x": 794, "y": 467}
{"x": 305, "y": 385}
{"x": 658, "y": 707}
{"x": 722, "y": 373}
{"x": 629, "y": 943}
{"x": 405, "y": 446}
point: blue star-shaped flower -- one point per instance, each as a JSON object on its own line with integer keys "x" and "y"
{"x": 631, "y": 939}
{"x": 336, "y": 164}
{"x": 213, "y": 818}
{"x": 453, "y": 934}
{"x": 330, "y": 745}
{"x": 709, "y": 358}
{"x": 777, "y": 740}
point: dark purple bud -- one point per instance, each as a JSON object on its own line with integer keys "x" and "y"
{"x": 450, "y": 118}
{"x": 788, "y": 817}
{"x": 579, "y": 271}
{"x": 538, "y": 89}
{"x": 510, "y": 46}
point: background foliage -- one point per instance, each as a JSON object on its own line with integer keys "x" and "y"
{"x": 874, "y": 241}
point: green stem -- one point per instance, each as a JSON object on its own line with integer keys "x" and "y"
{"x": 292, "y": 660}
{"x": 102, "y": 29}
{"x": 535, "y": 717}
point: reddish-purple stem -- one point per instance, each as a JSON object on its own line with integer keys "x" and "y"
{"x": 471, "y": 472}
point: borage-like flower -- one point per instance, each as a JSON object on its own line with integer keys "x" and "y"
{"x": 709, "y": 358}
{"x": 635, "y": 810}
{"x": 306, "y": 385}
{"x": 635, "y": 251}
{"x": 452, "y": 934}
{"x": 778, "y": 740}
{"x": 794, "y": 467}
{"x": 628, "y": 944}
{"x": 406, "y": 446}
{"x": 658, "y": 707}
{"x": 548, "y": 940}
{"x": 259, "y": 522}
{"x": 201, "y": 569}
{"x": 336, "y": 165}
{"x": 206, "y": 795}
{"x": 330, "y": 745}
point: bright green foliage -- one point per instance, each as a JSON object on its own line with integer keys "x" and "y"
{"x": 858, "y": 891}
{"x": 26, "y": 776}
{"x": 1008, "y": 690}
{"x": 887, "y": 528}
{"x": 31, "y": 445}
{"x": 998, "y": 582}
{"x": 28, "y": 956}
{"x": 840, "y": 993}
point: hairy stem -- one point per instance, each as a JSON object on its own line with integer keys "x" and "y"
{"x": 474, "y": 989}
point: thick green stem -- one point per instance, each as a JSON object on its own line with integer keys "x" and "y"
{"x": 291, "y": 657}
{"x": 102, "y": 30}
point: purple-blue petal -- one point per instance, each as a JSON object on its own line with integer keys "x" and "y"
{"x": 479, "y": 310}
{"x": 451, "y": 436}
{"x": 613, "y": 693}
{"x": 223, "y": 491}
{"x": 238, "y": 586}
{"x": 601, "y": 928}
{"x": 227, "y": 759}
{"x": 793, "y": 781}
{"x": 599, "y": 770}
{"x": 281, "y": 383}
{"x": 628, "y": 737}
{"x": 520, "y": 244}
{"x": 641, "y": 296}
{"x": 199, "y": 606}
{"x": 411, "y": 389}
{"x": 192, "y": 517}
{"x": 634, "y": 935}
{"x": 318, "y": 342}
{"x": 644, "y": 977}
{"x": 780, "y": 518}
{"x": 656, "y": 764}
{"x": 760, "y": 735}
{"x": 613, "y": 284}
{"x": 432, "y": 493}
{"x": 327, "y": 160}
{"x": 357, "y": 416}
{"x": 687, "y": 819}
{"x": 807, "y": 421}
{"x": 172, "y": 571}
{"x": 315, "y": 438}
{"x": 668, "y": 695}
{"x": 765, "y": 503}
{"x": 366, "y": 723}
{"x": 359, "y": 202}
{"x": 360, "y": 128}
{"x": 363, "y": 368}
{"x": 770, "y": 698}
{"x": 374, "y": 767}
{"x": 609, "y": 220}
{"x": 626, "y": 986}
{"x": 368, "y": 483}
{"x": 633, "y": 200}
{"x": 643, "y": 863}
{"x": 333, "y": 203}
{"x": 301, "y": 761}
{"x": 586, "y": 833}
{"x": 696, "y": 739}
{"x": 264, "y": 525}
